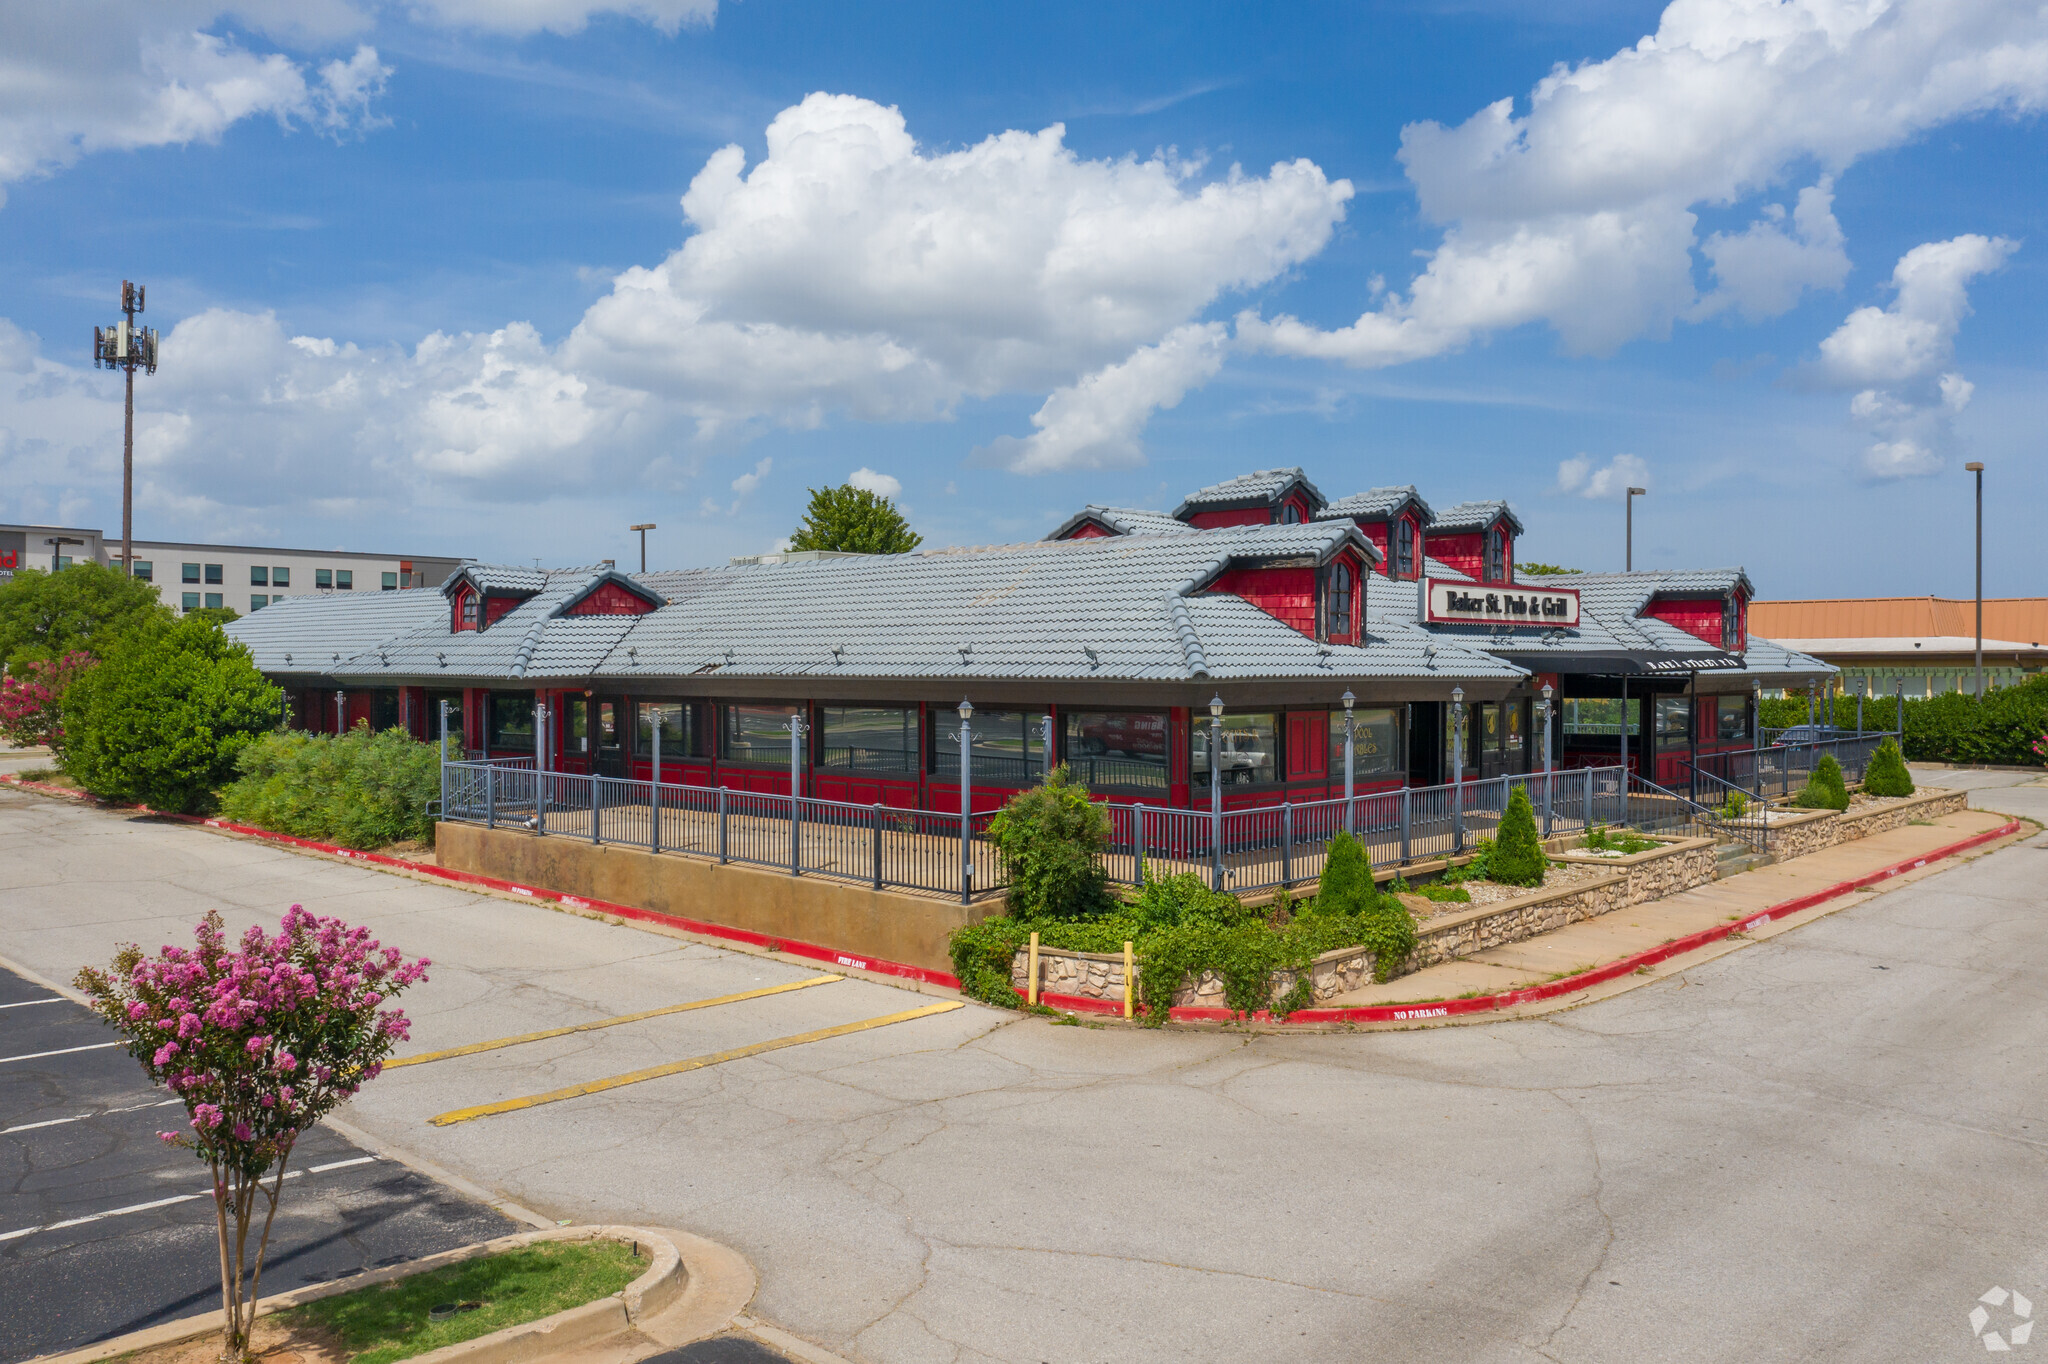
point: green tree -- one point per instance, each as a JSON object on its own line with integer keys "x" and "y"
{"x": 1517, "y": 853}
{"x": 219, "y": 615}
{"x": 165, "y": 715}
{"x": 47, "y": 615}
{"x": 1886, "y": 774}
{"x": 855, "y": 521}
{"x": 1050, "y": 838}
{"x": 1544, "y": 570}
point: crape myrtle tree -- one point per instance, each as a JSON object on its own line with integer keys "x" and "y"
{"x": 855, "y": 521}
{"x": 32, "y": 700}
{"x": 261, "y": 1040}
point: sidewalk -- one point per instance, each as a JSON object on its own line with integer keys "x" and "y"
{"x": 1611, "y": 937}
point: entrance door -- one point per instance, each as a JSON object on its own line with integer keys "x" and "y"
{"x": 608, "y": 737}
{"x": 1308, "y": 745}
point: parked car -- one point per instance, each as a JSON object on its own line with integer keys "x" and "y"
{"x": 1801, "y": 735}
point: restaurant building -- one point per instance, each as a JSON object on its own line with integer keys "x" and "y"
{"x": 1115, "y": 637}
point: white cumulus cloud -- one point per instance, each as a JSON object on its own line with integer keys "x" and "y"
{"x": 1579, "y": 212}
{"x": 1578, "y": 476}
{"x": 746, "y": 483}
{"x": 881, "y": 485}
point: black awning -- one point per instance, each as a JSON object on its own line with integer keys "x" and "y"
{"x": 1621, "y": 661}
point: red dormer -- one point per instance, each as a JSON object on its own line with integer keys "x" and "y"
{"x": 481, "y": 595}
{"x": 1721, "y": 619}
{"x": 1478, "y": 540}
{"x": 464, "y": 609}
{"x": 1324, "y": 601}
{"x": 1393, "y": 520}
{"x": 614, "y": 594}
{"x": 1265, "y": 497}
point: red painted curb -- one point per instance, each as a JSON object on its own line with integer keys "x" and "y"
{"x": 792, "y": 946}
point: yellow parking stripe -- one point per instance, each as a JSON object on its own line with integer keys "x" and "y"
{"x": 679, "y": 1067}
{"x": 497, "y": 1042}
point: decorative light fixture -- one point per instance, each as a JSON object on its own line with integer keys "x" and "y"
{"x": 966, "y": 710}
{"x": 1216, "y": 708}
{"x": 1349, "y": 701}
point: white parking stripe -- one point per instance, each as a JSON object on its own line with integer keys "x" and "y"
{"x": 167, "y": 1202}
{"x": 24, "y": 1003}
{"x": 61, "y": 1051}
{"x": 82, "y": 1117}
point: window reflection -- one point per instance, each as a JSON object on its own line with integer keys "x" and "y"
{"x": 1118, "y": 749}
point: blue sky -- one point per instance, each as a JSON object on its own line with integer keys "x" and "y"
{"x": 428, "y": 282}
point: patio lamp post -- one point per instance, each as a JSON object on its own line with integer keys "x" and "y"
{"x": 1046, "y": 723}
{"x": 1458, "y": 766}
{"x": 1861, "y": 684}
{"x": 540, "y": 766}
{"x": 1216, "y": 792}
{"x": 1548, "y": 692}
{"x": 340, "y": 712}
{"x": 797, "y": 730}
{"x": 1756, "y": 738}
{"x": 444, "y": 757}
{"x": 1350, "y": 747}
{"x": 1899, "y": 691}
{"x": 966, "y": 800}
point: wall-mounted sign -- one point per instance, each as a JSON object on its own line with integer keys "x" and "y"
{"x": 1492, "y": 604}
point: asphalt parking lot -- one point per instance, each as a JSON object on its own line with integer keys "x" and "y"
{"x": 104, "y": 1229}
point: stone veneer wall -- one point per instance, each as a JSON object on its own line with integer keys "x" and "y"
{"x": 1826, "y": 828}
{"x": 1679, "y": 865}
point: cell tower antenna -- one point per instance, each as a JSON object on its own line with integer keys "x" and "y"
{"x": 127, "y": 347}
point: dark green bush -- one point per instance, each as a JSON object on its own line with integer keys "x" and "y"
{"x": 360, "y": 790}
{"x": 1346, "y": 886}
{"x": 1051, "y": 838}
{"x": 1886, "y": 774}
{"x": 165, "y": 715}
{"x": 1518, "y": 858}
{"x": 1825, "y": 789}
{"x": 1951, "y": 728}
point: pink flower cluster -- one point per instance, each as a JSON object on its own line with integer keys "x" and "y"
{"x": 31, "y": 697}
{"x": 262, "y": 1038}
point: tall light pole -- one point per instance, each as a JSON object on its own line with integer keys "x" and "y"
{"x": 643, "y": 529}
{"x": 966, "y": 800}
{"x": 1216, "y": 793}
{"x": 1458, "y": 765}
{"x": 126, "y": 346}
{"x": 1978, "y": 469}
{"x": 1628, "y": 551}
{"x": 56, "y": 544}
{"x": 1350, "y": 747}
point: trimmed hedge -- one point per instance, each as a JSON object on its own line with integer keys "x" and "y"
{"x": 1954, "y": 727}
{"x": 360, "y": 790}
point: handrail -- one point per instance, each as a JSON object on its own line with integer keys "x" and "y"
{"x": 1755, "y": 836}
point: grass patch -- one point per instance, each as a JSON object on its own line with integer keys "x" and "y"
{"x": 393, "y": 1321}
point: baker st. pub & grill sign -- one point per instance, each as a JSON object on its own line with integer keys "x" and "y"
{"x": 1455, "y": 603}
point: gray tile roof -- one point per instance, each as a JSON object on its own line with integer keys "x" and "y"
{"x": 1259, "y": 486}
{"x": 1123, "y": 520}
{"x": 313, "y": 635}
{"x": 1376, "y": 504}
{"x": 501, "y": 577}
{"x": 1474, "y": 516}
{"x": 1116, "y": 608}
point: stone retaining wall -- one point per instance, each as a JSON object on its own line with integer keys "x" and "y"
{"x": 1825, "y": 828}
{"x": 1679, "y": 865}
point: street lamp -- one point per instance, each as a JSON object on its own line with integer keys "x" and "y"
{"x": 1458, "y": 764}
{"x": 1861, "y": 684}
{"x": 643, "y": 529}
{"x": 966, "y": 799}
{"x": 1978, "y": 469}
{"x": 1548, "y": 692}
{"x": 1350, "y": 745}
{"x": 56, "y": 544}
{"x": 1628, "y": 562}
{"x": 1046, "y": 723}
{"x": 1216, "y": 792}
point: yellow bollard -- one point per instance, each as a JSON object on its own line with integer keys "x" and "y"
{"x": 1129, "y": 988}
{"x": 1031, "y": 975}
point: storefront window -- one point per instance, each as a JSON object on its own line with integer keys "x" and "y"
{"x": 1734, "y": 720}
{"x": 1512, "y": 727}
{"x": 1674, "y": 719}
{"x": 869, "y": 739}
{"x": 1377, "y": 749}
{"x": 1118, "y": 749}
{"x": 511, "y": 715}
{"x": 758, "y": 736}
{"x": 1009, "y": 746}
{"x": 572, "y": 714}
{"x": 1598, "y": 715}
{"x": 1246, "y": 758}
{"x": 679, "y": 730}
{"x": 454, "y": 700}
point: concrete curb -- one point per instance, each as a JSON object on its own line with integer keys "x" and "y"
{"x": 667, "y": 1284}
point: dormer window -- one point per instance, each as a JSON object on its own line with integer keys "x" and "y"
{"x": 1290, "y": 515}
{"x": 1404, "y": 548}
{"x": 466, "y": 609}
{"x": 1731, "y": 622}
{"x": 1337, "y": 603}
{"x": 1496, "y": 555}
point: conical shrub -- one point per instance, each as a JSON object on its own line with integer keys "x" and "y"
{"x": 1886, "y": 774}
{"x": 1517, "y": 853}
{"x": 1346, "y": 886}
{"x": 1825, "y": 789}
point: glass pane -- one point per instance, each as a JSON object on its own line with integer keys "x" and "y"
{"x": 190, "y": 601}
{"x": 259, "y": 575}
{"x": 454, "y": 700}
{"x": 1734, "y": 719}
{"x": 345, "y": 578}
{"x": 1246, "y": 756}
{"x": 1377, "y": 751}
{"x": 758, "y": 736}
{"x": 280, "y": 577}
{"x": 1674, "y": 718}
{"x": 871, "y": 738}
{"x": 190, "y": 572}
{"x": 1511, "y": 725}
{"x": 144, "y": 569}
{"x": 1009, "y": 746}
{"x": 512, "y": 719}
{"x": 1122, "y": 750}
{"x": 257, "y": 601}
{"x": 674, "y": 717}
{"x": 1599, "y": 715}
{"x": 214, "y": 600}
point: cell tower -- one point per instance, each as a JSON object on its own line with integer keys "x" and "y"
{"x": 127, "y": 346}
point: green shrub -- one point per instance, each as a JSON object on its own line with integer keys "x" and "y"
{"x": 1600, "y": 838}
{"x": 1479, "y": 867}
{"x": 360, "y": 790}
{"x": 1886, "y": 773}
{"x": 1050, "y": 838}
{"x": 1825, "y": 789}
{"x": 1953, "y": 727}
{"x": 1735, "y": 807}
{"x": 1346, "y": 886}
{"x": 86, "y": 606}
{"x": 982, "y": 954}
{"x": 1389, "y": 930}
{"x": 1185, "y": 900}
{"x": 1518, "y": 858}
{"x": 165, "y": 715}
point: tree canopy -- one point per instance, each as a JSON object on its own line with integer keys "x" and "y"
{"x": 855, "y": 521}
{"x": 47, "y": 615}
{"x": 1543, "y": 570}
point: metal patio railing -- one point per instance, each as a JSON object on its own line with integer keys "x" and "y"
{"x": 940, "y": 853}
{"x": 1780, "y": 770}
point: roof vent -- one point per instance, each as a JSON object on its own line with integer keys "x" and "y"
{"x": 440, "y": 658}
{"x": 1322, "y": 655}
{"x": 837, "y": 650}
{"x": 337, "y": 658}
{"x": 1093, "y": 661}
{"x": 729, "y": 656}
{"x": 1429, "y": 655}
{"x": 287, "y": 660}
{"x": 965, "y": 650}
{"x": 633, "y": 652}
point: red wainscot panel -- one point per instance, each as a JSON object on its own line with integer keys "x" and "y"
{"x": 684, "y": 771}
{"x": 897, "y": 793}
{"x": 944, "y": 797}
{"x": 767, "y": 781}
